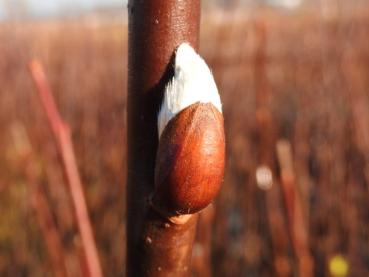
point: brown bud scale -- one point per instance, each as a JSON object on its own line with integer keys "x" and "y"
{"x": 190, "y": 160}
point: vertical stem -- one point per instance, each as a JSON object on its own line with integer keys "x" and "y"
{"x": 267, "y": 135}
{"x": 201, "y": 259}
{"x": 156, "y": 28}
{"x": 296, "y": 219}
{"x": 39, "y": 202}
{"x": 64, "y": 144}
{"x": 47, "y": 226}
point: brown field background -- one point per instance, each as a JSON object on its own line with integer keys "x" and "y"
{"x": 295, "y": 96}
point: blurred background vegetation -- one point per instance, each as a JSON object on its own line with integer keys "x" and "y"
{"x": 294, "y": 80}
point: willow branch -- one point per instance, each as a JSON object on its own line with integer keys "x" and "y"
{"x": 155, "y": 245}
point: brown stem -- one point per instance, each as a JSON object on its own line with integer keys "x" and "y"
{"x": 61, "y": 133}
{"x": 296, "y": 219}
{"x": 267, "y": 136}
{"x": 155, "y": 246}
{"x": 47, "y": 226}
{"x": 39, "y": 202}
{"x": 201, "y": 258}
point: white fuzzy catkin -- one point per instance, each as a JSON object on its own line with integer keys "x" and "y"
{"x": 192, "y": 82}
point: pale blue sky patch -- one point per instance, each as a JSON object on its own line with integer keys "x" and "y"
{"x": 2, "y": 11}
{"x": 50, "y": 8}
{"x": 289, "y": 4}
{"x": 42, "y": 8}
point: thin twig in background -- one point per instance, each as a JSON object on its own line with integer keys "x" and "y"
{"x": 201, "y": 252}
{"x": 39, "y": 202}
{"x": 266, "y": 131}
{"x": 283, "y": 265}
{"x": 296, "y": 219}
{"x": 61, "y": 133}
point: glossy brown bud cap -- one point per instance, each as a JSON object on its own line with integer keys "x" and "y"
{"x": 190, "y": 160}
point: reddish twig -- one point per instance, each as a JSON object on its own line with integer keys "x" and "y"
{"x": 39, "y": 202}
{"x": 201, "y": 253}
{"x": 267, "y": 135}
{"x": 61, "y": 133}
{"x": 47, "y": 225}
{"x": 296, "y": 219}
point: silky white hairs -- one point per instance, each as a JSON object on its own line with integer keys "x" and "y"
{"x": 192, "y": 82}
